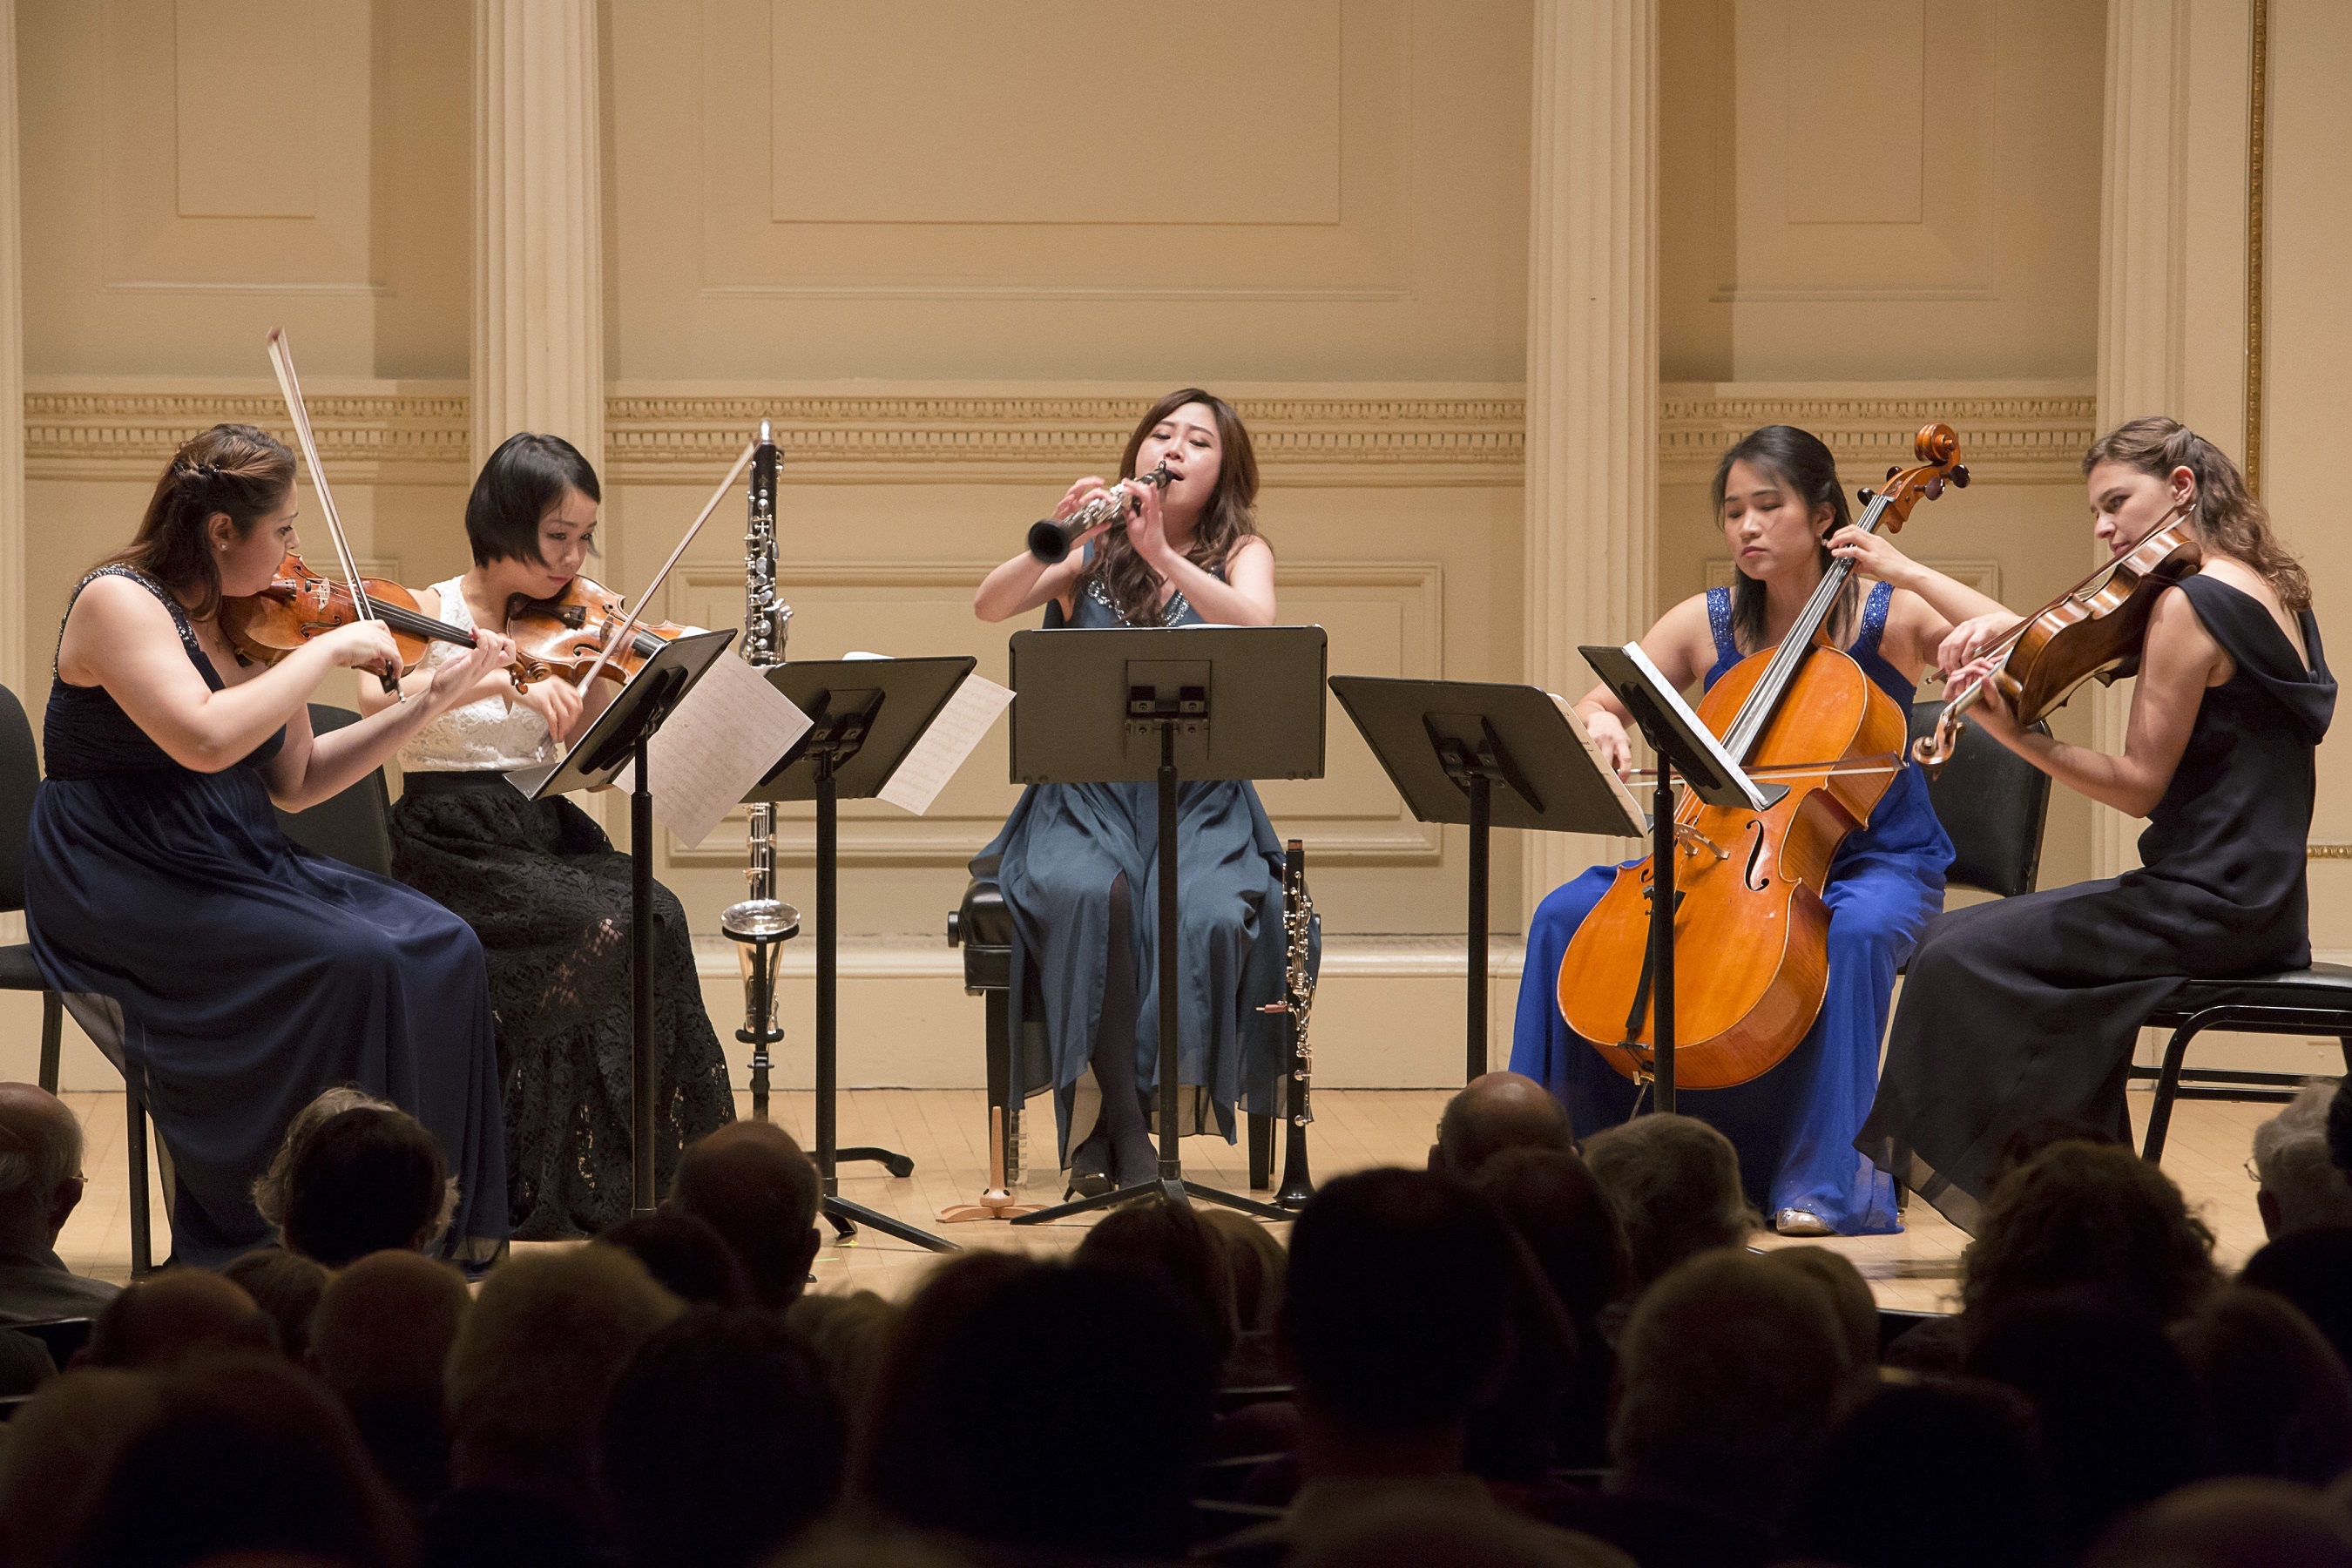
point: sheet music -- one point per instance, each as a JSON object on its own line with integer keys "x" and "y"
{"x": 717, "y": 744}
{"x": 933, "y": 759}
{"x": 1637, "y": 820}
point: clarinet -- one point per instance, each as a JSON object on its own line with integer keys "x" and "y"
{"x": 762, "y": 923}
{"x": 1298, "y": 1002}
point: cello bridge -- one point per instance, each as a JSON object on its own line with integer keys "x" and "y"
{"x": 1692, "y": 841}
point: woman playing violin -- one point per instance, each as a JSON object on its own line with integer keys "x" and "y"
{"x": 243, "y": 975}
{"x": 2027, "y": 1008}
{"x": 1077, "y": 861}
{"x": 539, "y": 881}
{"x": 1784, "y": 518}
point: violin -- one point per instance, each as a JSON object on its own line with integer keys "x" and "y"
{"x": 1751, "y": 930}
{"x": 300, "y": 604}
{"x": 567, "y": 634}
{"x": 2092, "y": 631}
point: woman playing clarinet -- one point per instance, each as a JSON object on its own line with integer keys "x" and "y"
{"x": 2027, "y": 1008}
{"x": 243, "y": 975}
{"x": 1077, "y": 862}
{"x": 1784, "y": 518}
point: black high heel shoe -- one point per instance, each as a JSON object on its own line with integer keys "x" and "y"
{"x": 1089, "y": 1171}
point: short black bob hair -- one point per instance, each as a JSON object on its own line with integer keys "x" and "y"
{"x": 522, "y": 482}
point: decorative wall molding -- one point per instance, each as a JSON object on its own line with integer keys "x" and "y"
{"x": 2010, "y": 432}
{"x": 941, "y": 437}
{"x": 1982, "y": 574}
{"x": 1447, "y": 436}
{"x": 399, "y": 433}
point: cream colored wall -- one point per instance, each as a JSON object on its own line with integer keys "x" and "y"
{"x": 2308, "y": 342}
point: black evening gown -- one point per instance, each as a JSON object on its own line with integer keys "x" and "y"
{"x": 2027, "y": 1008}
{"x": 1060, "y": 853}
{"x": 549, "y": 896}
{"x": 249, "y": 975}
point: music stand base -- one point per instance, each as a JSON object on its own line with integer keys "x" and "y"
{"x": 1177, "y": 1191}
{"x": 898, "y": 1164}
{"x": 847, "y": 1216}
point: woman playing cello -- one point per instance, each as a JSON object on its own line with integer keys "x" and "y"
{"x": 1784, "y": 517}
{"x": 2027, "y": 1008}
{"x": 245, "y": 974}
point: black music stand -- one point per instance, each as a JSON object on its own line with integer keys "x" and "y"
{"x": 865, "y": 715}
{"x": 1683, "y": 744}
{"x": 1120, "y": 705}
{"x": 1447, "y": 746}
{"x": 619, "y": 738}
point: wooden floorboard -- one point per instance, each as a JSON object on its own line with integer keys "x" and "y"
{"x": 945, "y": 1132}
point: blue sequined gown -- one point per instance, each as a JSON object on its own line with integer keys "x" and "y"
{"x": 1794, "y": 1126}
{"x": 249, "y": 973}
{"x": 1056, "y": 859}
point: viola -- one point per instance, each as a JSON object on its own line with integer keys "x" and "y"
{"x": 1751, "y": 931}
{"x": 567, "y": 634}
{"x": 300, "y": 604}
{"x": 2093, "y": 630}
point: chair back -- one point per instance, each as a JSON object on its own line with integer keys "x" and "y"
{"x": 355, "y": 826}
{"x": 1993, "y": 803}
{"x": 20, "y": 775}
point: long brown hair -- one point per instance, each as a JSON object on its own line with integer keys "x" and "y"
{"x": 2226, "y": 513}
{"x": 1230, "y": 517}
{"x": 233, "y": 469}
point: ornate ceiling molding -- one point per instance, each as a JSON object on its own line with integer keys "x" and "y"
{"x": 370, "y": 437}
{"x": 2014, "y": 433}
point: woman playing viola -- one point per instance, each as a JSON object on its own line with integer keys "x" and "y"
{"x": 1784, "y": 517}
{"x": 1077, "y": 861}
{"x": 539, "y": 881}
{"x": 241, "y": 974}
{"x": 2027, "y": 1008}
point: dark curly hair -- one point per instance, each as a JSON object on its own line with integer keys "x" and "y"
{"x": 2082, "y": 1216}
{"x": 237, "y": 470}
{"x": 1230, "y": 517}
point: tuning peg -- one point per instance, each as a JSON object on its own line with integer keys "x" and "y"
{"x": 1865, "y": 495}
{"x": 1960, "y": 474}
{"x": 1891, "y": 472}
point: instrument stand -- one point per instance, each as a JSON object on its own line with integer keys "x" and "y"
{"x": 847, "y": 702}
{"x": 621, "y": 736}
{"x": 1486, "y": 755}
{"x": 1060, "y": 736}
{"x": 1683, "y": 746}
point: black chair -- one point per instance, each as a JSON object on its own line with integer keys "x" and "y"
{"x": 63, "y": 1336}
{"x": 1993, "y": 803}
{"x": 982, "y": 927}
{"x": 20, "y": 775}
{"x": 355, "y": 826}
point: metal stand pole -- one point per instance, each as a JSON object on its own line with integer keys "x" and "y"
{"x": 645, "y": 1088}
{"x": 1480, "y": 804}
{"x": 1661, "y": 937}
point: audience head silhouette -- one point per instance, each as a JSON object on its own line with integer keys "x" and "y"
{"x": 1495, "y": 1111}
{"x": 175, "y": 1317}
{"x": 40, "y": 1169}
{"x": 366, "y": 1179}
{"x": 380, "y": 1340}
{"x": 2302, "y": 1185}
{"x": 721, "y": 1441}
{"x": 2276, "y": 1398}
{"x": 2096, "y": 1219}
{"x": 1675, "y": 1182}
{"x": 692, "y": 1261}
{"x": 752, "y": 1184}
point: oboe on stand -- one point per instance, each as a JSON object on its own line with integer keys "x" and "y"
{"x": 762, "y": 923}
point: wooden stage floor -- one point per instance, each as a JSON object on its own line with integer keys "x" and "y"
{"x": 944, "y": 1132}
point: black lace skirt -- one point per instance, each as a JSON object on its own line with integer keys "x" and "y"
{"x": 549, "y": 897}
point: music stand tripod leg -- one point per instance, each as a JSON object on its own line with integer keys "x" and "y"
{"x": 645, "y": 1091}
{"x": 843, "y": 1215}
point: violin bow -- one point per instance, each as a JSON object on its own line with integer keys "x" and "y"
{"x": 281, "y": 360}
{"x": 628, "y": 628}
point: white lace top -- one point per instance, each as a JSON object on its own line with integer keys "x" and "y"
{"x": 493, "y": 734}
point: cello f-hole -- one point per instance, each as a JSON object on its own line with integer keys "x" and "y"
{"x": 1755, "y": 857}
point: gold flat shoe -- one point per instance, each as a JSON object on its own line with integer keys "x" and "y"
{"x": 1800, "y": 1222}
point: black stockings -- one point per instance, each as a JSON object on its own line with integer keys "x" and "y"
{"x": 1119, "y": 1131}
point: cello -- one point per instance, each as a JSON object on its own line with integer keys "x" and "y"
{"x": 1750, "y": 928}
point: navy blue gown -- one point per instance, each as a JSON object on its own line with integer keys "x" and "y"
{"x": 1056, "y": 859}
{"x": 246, "y": 973}
{"x": 1794, "y": 1126}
